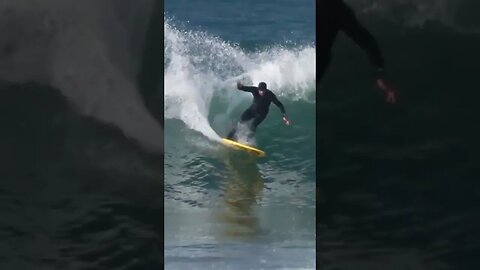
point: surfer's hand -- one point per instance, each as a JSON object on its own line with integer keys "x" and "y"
{"x": 389, "y": 90}
{"x": 285, "y": 119}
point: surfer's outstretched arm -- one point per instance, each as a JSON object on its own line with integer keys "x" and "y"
{"x": 246, "y": 88}
{"x": 282, "y": 109}
{"x": 278, "y": 103}
{"x": 358, "y": 33}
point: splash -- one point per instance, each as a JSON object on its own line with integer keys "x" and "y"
{"x": 199, "y": 67}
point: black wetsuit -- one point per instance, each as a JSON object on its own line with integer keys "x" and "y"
{"x": 258, "y": 110}
{"x": 333, "y": 16}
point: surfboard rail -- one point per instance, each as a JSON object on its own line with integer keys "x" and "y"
{"x": 243, "y": 147}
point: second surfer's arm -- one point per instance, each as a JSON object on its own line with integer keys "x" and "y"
{"x": 357, "y": 32}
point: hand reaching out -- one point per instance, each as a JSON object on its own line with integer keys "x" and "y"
{"x": 389, "y": 90}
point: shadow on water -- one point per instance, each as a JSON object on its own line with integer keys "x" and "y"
{"x": 243, "y": 189}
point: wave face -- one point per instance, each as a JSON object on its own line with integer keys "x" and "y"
{"x": 236, "y": 202}
{"x": 90, "y": 51}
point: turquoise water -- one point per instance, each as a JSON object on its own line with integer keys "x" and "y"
{"x": 223, "y": 208}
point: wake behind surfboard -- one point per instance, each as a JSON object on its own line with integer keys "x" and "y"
{"x": 243, "y": 147}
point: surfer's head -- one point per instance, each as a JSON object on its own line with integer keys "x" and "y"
{"x": 262, "y": 86}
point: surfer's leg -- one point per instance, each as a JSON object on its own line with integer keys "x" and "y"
{"x": 256, "y": 122}
{"x": 246, "y": 116}
{"x": 232, "y": 133}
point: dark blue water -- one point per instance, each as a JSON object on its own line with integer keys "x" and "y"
{"x": 223, "y": 209}
{"x": 250, "y": 22}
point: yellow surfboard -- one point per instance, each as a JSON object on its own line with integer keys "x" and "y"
{"x": 244, "y": 147}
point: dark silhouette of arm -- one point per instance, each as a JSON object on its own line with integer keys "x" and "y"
{"x": 250, "y": 89}
{"x": 351, "y": 26}
{"x": 278, "y": 103}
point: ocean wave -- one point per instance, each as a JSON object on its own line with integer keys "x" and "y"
{"x": 200, "y": 67}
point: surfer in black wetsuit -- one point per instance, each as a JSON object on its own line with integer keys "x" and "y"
{"x": 335, "y": 15}
{"x": 262, "y": 97}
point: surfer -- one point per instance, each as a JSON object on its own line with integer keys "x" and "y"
{"x": 262, "y": 97}
{"x": 335, "y": 15}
